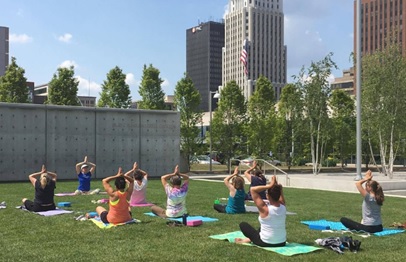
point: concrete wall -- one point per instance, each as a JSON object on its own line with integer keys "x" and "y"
{"x": 60, "y": 136}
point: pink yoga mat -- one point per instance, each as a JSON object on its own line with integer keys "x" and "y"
{"x": 142, "y": 205}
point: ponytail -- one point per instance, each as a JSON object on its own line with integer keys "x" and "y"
{"x": 44, "y": 180}
{"x": 258, "y": 173}
{"x": 378, "y": 192}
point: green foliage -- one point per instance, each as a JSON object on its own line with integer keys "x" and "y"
{"x": 187, "y": 101}
{"x": 26, "y": 236}
{"x": 13, "y": 84}
{"x": 115, "y": 92}
{"x": 150, "y": 90}
{"x": 261, "y": 113}
{"x": 63, "y": 88}
{"x": 383, "y": 101}
{"x": 343, "y": 118}
{"x": 315, "y": 91}
{"x": 228, "y": 120}
{"x": 289, "y": 129}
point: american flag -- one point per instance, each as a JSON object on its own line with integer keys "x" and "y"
{"x": 244, "y": 56}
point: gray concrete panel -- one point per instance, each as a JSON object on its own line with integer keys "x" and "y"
{"x": 160, "y": 142}
{"x": 22, "y": 140}
{"x": 70, "y": 136}
{"x": 60, "y": 136}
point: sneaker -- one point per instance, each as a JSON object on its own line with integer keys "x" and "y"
{"x": 3, "y": 204}
{"x": 78, "y": 192}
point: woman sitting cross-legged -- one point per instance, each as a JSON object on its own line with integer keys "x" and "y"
{"x": 272, "y": 218}
{"x": 44, "y": 183}
{"x": 236, "y": 198}
{"x": 371, "y": 206}
{"x": 256, "y": 178}
{"x": 118, "y": 198}
{"x": 140, "y": 188}
{"x": 176, "y": 195}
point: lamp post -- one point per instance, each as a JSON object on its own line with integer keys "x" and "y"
{"x": 216, "y": 95}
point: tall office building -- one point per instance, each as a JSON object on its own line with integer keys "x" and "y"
{"x": 4, "y": 49}
{"x": 260, "y": 24}
{"x": 204, "y": 45}
{"x": 380, "y": 19}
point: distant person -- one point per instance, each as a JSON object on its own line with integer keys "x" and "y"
{"x": 256, "y": 178}
{"x": 236, "y": 198}
{"x": 44, "y": 183}
{"x": 272, "y": 217}
{"x": 119, "y": 197}
{"x": 176, "y": 193}
{"x": 371, "y": 206}
{"x": 84, "y": 171}
{"x": 139, "y": 193}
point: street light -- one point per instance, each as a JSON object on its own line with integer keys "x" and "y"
{"x": 216, "y": 96}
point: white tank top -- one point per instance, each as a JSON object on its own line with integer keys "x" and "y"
{"x": 273, "y": 227}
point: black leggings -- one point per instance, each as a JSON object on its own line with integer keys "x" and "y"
{"x": 220, "y": 208}
{"x": 253, "y": 235}
{"x": 352, "y": 225}
{"x": 35, "y": 207}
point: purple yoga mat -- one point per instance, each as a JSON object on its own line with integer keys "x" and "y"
{"x": 73, "y": 194}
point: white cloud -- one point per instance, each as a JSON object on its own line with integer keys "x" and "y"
{"x": 87, "y": 87}
{"x": 22, "y": 39}
{"x": 68, "y": 63}
{"x": 130, "y": 79}
{"x": 66, "y": 38}
{"x": 165, "y": 83}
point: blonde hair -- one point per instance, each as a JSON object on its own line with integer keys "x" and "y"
{"x": 43, "y": 180}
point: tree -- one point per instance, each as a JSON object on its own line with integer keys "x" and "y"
{"x": 13, "y": 84}
{"x": 383, "y": 101}
{"x": 261, "y": 113}
{"x": 187, "y": 101}
{"x": 115, "y": 92}
{"x": 150, "y": 90}
{"x": 289, "y": 121}
{"x": 63, "y": 88}
{"x": 228, "y": 120}
{"x": 343, "y": 117}
{"x": 315, "y": 90}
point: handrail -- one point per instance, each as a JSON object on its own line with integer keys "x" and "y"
{"x": 265, "y": 161}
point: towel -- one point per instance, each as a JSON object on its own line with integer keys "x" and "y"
{"x": 102, "y": 225}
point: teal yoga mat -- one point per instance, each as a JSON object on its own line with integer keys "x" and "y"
{"x": 290, "y": 249}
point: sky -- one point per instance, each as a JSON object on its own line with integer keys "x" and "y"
{"x": 96, "y": 35}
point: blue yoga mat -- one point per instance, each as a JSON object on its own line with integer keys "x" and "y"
{"x": 339, "y": 226}
{"x": 204, "y": 219}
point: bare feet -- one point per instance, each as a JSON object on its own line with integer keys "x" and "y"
{"x": 242, "y": 240}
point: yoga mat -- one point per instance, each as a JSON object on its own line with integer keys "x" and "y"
{"x": 290, "y": 249}
{"x": 322, "y": 222}
{"x": 142, "y": 205}
{"x": 73, "y": 194}
{"x": 254, "y": 209}
{"x": 203, "y": 219}
{"x": 49, "y": 212}
{"x": 339, "y": 226}
{"x": 102, "y": 225}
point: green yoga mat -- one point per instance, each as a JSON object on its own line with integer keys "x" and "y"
{"x": 290, "y": 249}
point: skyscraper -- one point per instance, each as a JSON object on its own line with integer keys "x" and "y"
{"x": 4, "y": 49}
{"x": 379, "y": 20}
{"x": 254, "y": 44}
{"x": 204, "y": 45}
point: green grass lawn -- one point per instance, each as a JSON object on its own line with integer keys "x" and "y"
{"x": 30, "y": 237}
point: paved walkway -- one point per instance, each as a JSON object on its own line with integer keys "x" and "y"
{"x": 341, "y": 182}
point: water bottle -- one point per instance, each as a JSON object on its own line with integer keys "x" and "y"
{"x": 184, "y": 219}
